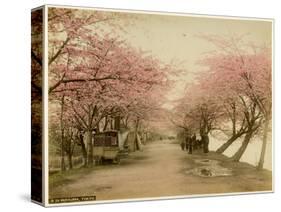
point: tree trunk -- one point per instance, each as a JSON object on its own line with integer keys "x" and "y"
{"x": 84, "y": 150}
{"x": 264, "y": 142}
{"x": 111, "y": 123}
{"x": 62, "y": 163}
{"x": 136, "y": 135}
{"x": 117, "y": 123}
{"x": 205, "y": 143}
{"x": 98, "y": 128}
{"x": 105, "y": 124}
{"x": 237, "y": 156}
{"x": 126, "y": 121}
{"x": 90, "y": 148}
{"x": 223, "y": 147}
{"x": 63, "y": 168}
{"x": 69, "y": 157}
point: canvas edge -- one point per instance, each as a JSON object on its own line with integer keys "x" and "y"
{"x": 108, "y": 9}
{"x": 148, "y": 199}
{"x": 45, "y": 180}
{"x": 42, "y": 199}
{"x": 45, "y": 106}
{"x": 273, "y": 103}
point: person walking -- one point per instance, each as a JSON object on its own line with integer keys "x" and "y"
{"x": 182, "y": 145}
{"x": 194, "y": 143}
{"x": 189, "y": 144}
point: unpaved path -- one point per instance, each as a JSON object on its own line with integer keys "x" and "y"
{"x": 160, "y": 169}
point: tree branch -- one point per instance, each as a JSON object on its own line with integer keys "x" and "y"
{"x": 52, "y": 59}
{"x": 37, "y": 59}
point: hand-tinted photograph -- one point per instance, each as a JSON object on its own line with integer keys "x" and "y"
{"x": 149, "y": 105}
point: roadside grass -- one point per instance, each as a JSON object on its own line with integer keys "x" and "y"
{"x": 58, "y": 178}
{"x": 61, "y": 178}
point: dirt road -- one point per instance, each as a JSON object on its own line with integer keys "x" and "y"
{"x": 160, "y": 169}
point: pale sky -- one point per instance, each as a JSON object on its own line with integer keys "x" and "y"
{"x": 173, "y": 38}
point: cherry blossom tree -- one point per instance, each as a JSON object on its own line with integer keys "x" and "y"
{"x": 65, "y": 28}
{"x": 118, "y": 79}
{"x": 245, "y": 71}
{"x": 92, "y": 72}
{"x": 234, "y": 87}
{"x": 198, "y": 111}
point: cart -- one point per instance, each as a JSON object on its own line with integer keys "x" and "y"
{"x": 106, "y": 147}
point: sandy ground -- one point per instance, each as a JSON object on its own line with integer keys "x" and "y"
{"x": 160, "y": 169}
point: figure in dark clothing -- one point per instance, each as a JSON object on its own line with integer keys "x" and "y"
{"x": 194, "y": 143}
{"x": 199, "y": 145}
{"x": 182, "y": 145}
{"x": 187, "y": 141}
{"x": 189, "y": 144}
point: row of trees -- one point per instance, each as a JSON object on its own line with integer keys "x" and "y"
{"x": 95, "y": 79}
{"x": 233, "y": 94}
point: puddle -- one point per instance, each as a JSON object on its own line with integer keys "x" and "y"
{"x": 206, "y": 162}
{"x": 209, "y": 168}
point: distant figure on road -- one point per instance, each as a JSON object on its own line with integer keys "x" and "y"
{"x": 188, "y": 144}
{"x": 199, "y": 143}
{"x": 194, "y": 143}
{"x": 182, "y": 145}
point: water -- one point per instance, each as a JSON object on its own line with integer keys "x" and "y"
{"x": 252, "y": 153}
{"x": 209, "y": 168}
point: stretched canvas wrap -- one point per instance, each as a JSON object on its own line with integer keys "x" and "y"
{"x": 131, "y": 105}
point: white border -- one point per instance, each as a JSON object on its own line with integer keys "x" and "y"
{"x": 156, "y": 198}
{"x": 273, "y": 150}
{"x": 166, "y": 13}
{"x": 45, "y": 180}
